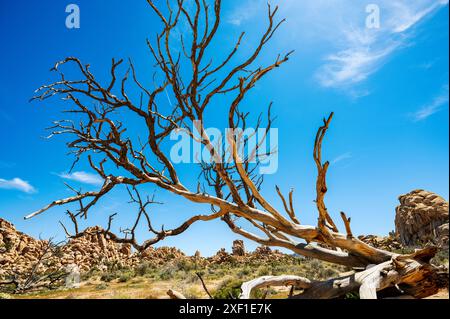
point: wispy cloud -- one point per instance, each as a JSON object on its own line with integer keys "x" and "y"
{"x": 427, "y": 65}
{"x": 436, "y": 105}
{"x": 342, "y": 157}
{"x": 363, "y": 51}
{"x": 352, "y": 65}
{"x": 83, "y": 177}
{"x": 244, "y": 12}
{"x": 17, "y": 184}
{"x": 352, "y": 52}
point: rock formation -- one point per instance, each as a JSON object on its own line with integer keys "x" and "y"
{"x": 89, "y": 249}
{"x": 238, "y": 248}
{"x": 18, "y": 251}
{"x": 261, "y": 254}
{"x": 422, "y": 217}
{"x": 389, "y": 243}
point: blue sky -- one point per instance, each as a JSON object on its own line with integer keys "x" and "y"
{"x": 387, "y": 86}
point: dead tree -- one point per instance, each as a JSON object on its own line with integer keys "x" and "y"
{"x": 231, "y": 189}
{"x": 43, "y": 273}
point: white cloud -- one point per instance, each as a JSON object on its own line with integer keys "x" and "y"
{"x": 353, "y": 52}
{"x": 352, "y": 65}
{"x": 342, "y": 157}
{"x": 427, "y": 65}
{"x": 409, "y": 15}
{"x": 246, "y": 12}
{"x": 435, "y": 106}
{"x": 363, "y": 51}
{"x": 83, "y": 177}
{"x": 17, "y": 184}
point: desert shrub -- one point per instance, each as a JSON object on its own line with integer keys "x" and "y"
{"x": 217, "y": 273}
{"x": 244, "y": 272}
{"x": 94, "y": 271}
{"x": 264, "y": 271}
{"x": 314, "y": 263}
{"x": 191, "y": 278}
{"x": 144, "y": 268}
{"x": 166, "y": 275}
{"x": 101, "y": 286}
{"x": 280, "y": 269}
{"x": 325, "y": 273}
{"x": 441, "y": 257}
{"x": 168, "y": 272}
{"x": 7, "y": 289}
{"x": 185, "y": 265}
{"x": 260, "y": 293}
{"x": 109, "y": 276}
{"x": 115, "y": 266}
{"x": 191, "y": 292}
{"x": 126, "y": 276}
{"x": 228, "y": 289}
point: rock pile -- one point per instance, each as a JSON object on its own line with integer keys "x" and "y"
{"x": 264, "y": 253}
{"x": 92, "y": 248}
{"x": 18, "y": 251}
{"x": 388, "y": 243}
{"x": 261, "y": 254}
{"x": 221, "y": 257}
{"x": 422, "y": 217}
{"x": 159, "y": 256}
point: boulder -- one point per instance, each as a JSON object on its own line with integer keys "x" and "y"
{"x": 420, "y": 218}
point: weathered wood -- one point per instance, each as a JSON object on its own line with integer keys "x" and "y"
{"x": 271, "y": 281}
{"x": 410, "y": 270}
{"x": 175, "y": 294}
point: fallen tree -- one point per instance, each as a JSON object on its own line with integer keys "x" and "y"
{"x": 232, "y": 189}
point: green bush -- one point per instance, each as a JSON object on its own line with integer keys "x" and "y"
{"x": 126, "y": 276}
{"x": 228, "y": 289}
{"x": 144, "y": 268}
{"x": 168, "y": 272}
{"x": 441, "y": 258}
{"x": 108, "y": 276}
{"x": 185, "y": 265}
{"x": 244, "y": 272}
{"x": 264, "y": 271}
{"x": 102, "y": 286}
